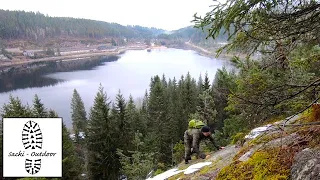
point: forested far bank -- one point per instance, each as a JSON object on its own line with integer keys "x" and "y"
{"x": 37, "y": 26}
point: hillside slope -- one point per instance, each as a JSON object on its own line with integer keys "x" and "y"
{"x": 37, "y": 26}
{"x": 288, "y": 149}
{"x": 194, "y": 35}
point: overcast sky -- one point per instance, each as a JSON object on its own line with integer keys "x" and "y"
{"x": 165, "y": 14}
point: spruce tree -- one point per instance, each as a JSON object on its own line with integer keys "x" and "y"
{"x": 159, "y": 122}
{"x": 140, "y": 163}
{"x": 38, "y": 109}
{"x": 52, "y": 114}
{"x": 164, "y": 81}
{"x": 101, "y": 142}
{"x": 200, "y": 84}
{"x": 178, "y": 109}
{"x": 206, "y": 83}
{"x": 15, "y": 108}
{"x": 188, "y": 97}
{"x": 78, "y": 115}
{"x": 206, "y": 109}
{"x": 143, "y": 114}
{"x": 120, "y": 119}
{"x": 145, "y": 102}
{"x": 222, "y": 86}
{"x": 135, "y": 122}
{"x": 174, "y": 110}
{"x": 79, "y": 124}
{"x": 70, "y": 161}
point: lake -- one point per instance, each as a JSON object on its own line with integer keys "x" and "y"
{"x": 131, "y": 73}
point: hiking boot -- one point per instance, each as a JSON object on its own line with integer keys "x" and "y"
{"x": 186, "y": 160}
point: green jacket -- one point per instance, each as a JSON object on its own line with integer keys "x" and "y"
{"x": 196, "y": 136}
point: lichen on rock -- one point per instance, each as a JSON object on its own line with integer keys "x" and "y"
{"x": 306, "y": 165}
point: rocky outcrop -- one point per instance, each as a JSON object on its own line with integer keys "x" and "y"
{"x": 273, "y": 151}
{"x": 306, "y": 165}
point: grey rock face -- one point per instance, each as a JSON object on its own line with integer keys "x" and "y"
{"x": 306, "y": 165}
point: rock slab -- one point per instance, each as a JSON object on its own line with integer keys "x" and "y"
{"x": 306, "y": 165}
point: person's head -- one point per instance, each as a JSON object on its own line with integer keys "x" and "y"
{"x": 206, "y": 130}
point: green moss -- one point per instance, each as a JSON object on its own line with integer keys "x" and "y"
{"x": 265, "y": 138}
{"x": 177, "y": 176}
{"x": 158, "y": 171}
{"x": 262, "y": 165}
{"x": 307, "y": 112}
{"x": 183, "y": 166}
{"x": 208, "y": 169}
{"x": 238, "y": 137}
{"x": 242, "y": 151}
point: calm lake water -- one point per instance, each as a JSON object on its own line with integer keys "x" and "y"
{"x": 131, "y": 73}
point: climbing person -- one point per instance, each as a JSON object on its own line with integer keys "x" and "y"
{"x": 196, "y": 132}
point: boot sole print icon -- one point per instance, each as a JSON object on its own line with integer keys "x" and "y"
{"x": 32, "y": 139}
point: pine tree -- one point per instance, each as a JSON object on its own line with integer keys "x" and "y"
{"x": 38, "y": 109}
{"x": 78, "y": 115}
{"x": 102, "y": 159}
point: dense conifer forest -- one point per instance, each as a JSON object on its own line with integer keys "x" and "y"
{"x": 37, "y": 26}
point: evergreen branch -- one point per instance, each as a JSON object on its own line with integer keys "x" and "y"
{"x": 287, "y": 119}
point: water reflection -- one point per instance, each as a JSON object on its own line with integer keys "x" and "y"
{"x": 13, "y": 81}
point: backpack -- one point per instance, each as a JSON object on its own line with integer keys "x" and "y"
{"x": 196, "y": 124}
